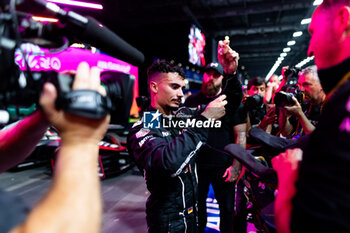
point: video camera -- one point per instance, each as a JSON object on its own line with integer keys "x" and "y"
{"x": 22, "y": 88}
{"x": 285, "y": 97}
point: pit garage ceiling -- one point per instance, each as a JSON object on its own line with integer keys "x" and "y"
{"x": 258, "y": 29}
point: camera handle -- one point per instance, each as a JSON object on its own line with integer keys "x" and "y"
{"x": 85, "y": 103}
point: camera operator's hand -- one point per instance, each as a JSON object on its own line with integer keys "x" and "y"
{"x": 216, "y": 108}
{"x": 73, "y": 203}
{"x": 295, "y": 109}
{"x": 283, "y": 122}
{"x": 73, "y": 128}
{"x": 228, "y": 58}
{"x": 268, "y": 119}
{"x": 284, "y": 68}
{"x": 284, "y": 80}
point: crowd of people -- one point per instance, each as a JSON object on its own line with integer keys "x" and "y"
{"x": 180, "y": 162}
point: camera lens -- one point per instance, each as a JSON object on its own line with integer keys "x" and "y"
{"x": 119, "y": 87}
{"x": 283, "y": 99}
{"x": 253, "y": 102}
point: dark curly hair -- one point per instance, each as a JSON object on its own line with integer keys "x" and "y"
{"x": 257, "y": 81}
{"x": 163, "y": 66}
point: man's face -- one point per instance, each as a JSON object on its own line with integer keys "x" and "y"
{"x": 312, "y": 88}
{"x": 212, "y": 82}
{"x": 168, "y": 90}
{"x": 257, "y": 90}
{"x": 274, "y": 79}
{"x": 324, "y": 44}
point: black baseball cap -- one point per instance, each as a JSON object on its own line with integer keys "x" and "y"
{"x": 214, "y": 66}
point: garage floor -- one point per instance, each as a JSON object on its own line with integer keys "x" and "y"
{"x": 124, "y": 197}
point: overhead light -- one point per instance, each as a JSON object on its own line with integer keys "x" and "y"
{"x": 53, "y": 7}
{"x": 77, "y": 45}
{"x": 291, "y": 43}
{"x": 271, "y": 72}
{"x": 283, "y": 54}
{"x": 44, "y": 19}
{"x": 286, "y": 50}
{"x": 274, "y": 67}
{"x": 297, "y": 34}
{"x": 306, "y": 21}
{"x": 305, "y": 61}
{"x": 317, "y": 2}
{"x": 78, "y": 3}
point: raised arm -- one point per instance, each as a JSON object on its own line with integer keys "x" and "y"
{"x": 18, "y": 141}
{"x": 228, "y": 59}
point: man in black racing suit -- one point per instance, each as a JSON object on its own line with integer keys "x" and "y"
{"x": 166, "y": 153}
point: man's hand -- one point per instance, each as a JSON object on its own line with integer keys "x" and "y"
{"x": 216, "y": 108}
{"x": 228, "y": 58}
{"x": 284, "y": 68}
{"x": 73, "y": 128}
{"x": 268, "y": 119}
{"x": 232, "y": 173}
{"x": 295, "y": 109}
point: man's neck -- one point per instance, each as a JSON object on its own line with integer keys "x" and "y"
{"x": 319, "y": 100}
{"x": 211, "y": 96}
{"x": 164, "y": 111}
{"x": 331, "y": 76}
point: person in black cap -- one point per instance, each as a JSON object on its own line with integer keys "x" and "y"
{"x": 214, "y": 167}
{"x": 212, "y": 79}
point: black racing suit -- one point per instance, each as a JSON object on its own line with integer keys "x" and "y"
{"x": 166, "y": 157}
{"x": 322, "y": 200}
